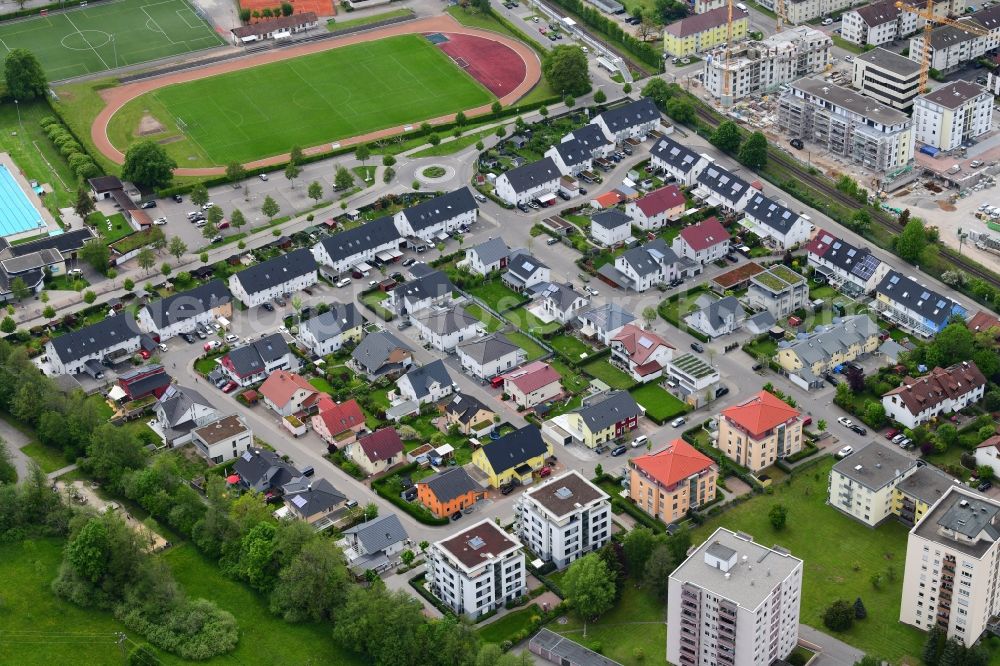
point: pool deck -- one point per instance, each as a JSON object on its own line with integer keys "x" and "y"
{"x": 50, "y": 222}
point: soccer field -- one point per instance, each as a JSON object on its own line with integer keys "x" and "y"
{"x": 109, "y": 35}
{"x": 306, "y": 101}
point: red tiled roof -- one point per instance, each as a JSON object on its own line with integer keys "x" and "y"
{"x": 705, "y": 234}
{"x": 993, "y": 441}
{"x": 280, "y": 386}
{"x": 820, "y": 242}
{"x": 760, "y": 413}
{"x": 609, "y": 199}
{"x": 639, "y": 343}
{"x": 939, "y": 384}
{"x": 532, "y": 377}
{"x": 342, "y": 417}
{"x": 673, "y": 464}
{"x": 660, "y": 200}
{"x": 983, "y": 321}
{"x": 381, "y": 444}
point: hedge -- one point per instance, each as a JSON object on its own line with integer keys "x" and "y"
{"x": 417, "y": 584}
{"x": 640, "y": 50}
{"x": 418, "y": 511}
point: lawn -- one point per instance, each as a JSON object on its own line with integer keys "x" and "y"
{"x": 109, "y": 35}
{"x": 507, "y": 626}
{"x": 492, "y": 323}
{"x": 374, "y": 300}
{"x": 637, "y": 622}
{"x": 572, "y": 380}
{"x": 571, "y": 347}
{"x": 66, "y": 283}
{"x": 840, "y": 557}
{"x": 658, "y": 403}
{"x": 34, "y": 154}
{"x": 454, "y": 145}
{"x": 526, "y": 321}
{"x": 48, "y": 459}
{"x": 609, "y": 374}
{"x": 532, "y": 348}
{"x": 119, "y": 227}
{"x": 497, "y": 295}
{"x": 334, "y": 94}
{"x": 333, "y": 25}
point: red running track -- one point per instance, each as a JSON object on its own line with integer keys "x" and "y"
{"x": 492, "y": 63}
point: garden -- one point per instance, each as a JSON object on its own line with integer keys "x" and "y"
{"x": 498, "y": 296}
{"x": 526, "y": 321}
{"x": 610, "y": 375}
{"x": 571, "y": 347}
{"x": 659, "y": 404}
{"x": 532, "y": 349}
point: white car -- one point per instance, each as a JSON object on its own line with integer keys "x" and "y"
{"x": 828, "y": 21}
{"x": 639, "y": 441}
{"x": 848, "y": 58}
{"x": 343, "y": 282}
{"x": 207, "y": 205}
{"x": 263, "y": 177}
{"x": 230, "y": 339}
{"x": 160, "y": 221}
{"x": 844, "y": 452}
{"x": 282, "y": 329}
{"x": 844, "y": 421}
{"x": 162, "y": 347}
{"x": 678, "y": 422}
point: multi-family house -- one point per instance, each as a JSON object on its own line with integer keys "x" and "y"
{"x": 677, "y": 160}
{"x": 941, "y": 391}
{"x": 490, "y": 356}
{"x": 952, "y": 115}
{"x": 593, "y": 138}
{"x": 325, "y": 333}
{"x": 912, "y": 306}
{"x": 525, "y": 272}
{"x": 440, "y": 215}
{"x": 87, "y": 349}
{"x": 779, "y": 290}
{"x": 530, "y": 181}
{"x": 604, "y": 321}
{"x": 488, "y": 256}
{"x": 887, "y": 77}
{"x": 255, "y": 360}
{"x": 185, "y": 311}
{"x": 604, "y": 418}
{"x": 914, "y": 496}
{"x": 339, "y": 253}
{"x": 222, "y": 439}
{"x": 446, "y": 328}
{"x": 863, "y": 484}
{"x": 338, "y": 424}
{"x": 718, "y": 318}
{"x": 878, "y": 23}
{"x": 562, "y": 303}
{"x": 669, "y": 483}
{"x": 428, "y": 383}
{"x": 658, "y": 208}
{"x": 633, "y": 120}
{"x": 704, "y": 242}
{"x": 610, "y": 227}
{"x": 642, "y": 354}
{"x": 287, "y": 393}
{"x": 692, "y": 379}
{"x": 811, "y": 356}
{"x": 841, "y": 263}
{"x": 722, "y": 188}
{"x": 775, "y": 224}
{"x": 533, "y": 384}
{"x": 381, "y": 354}
{"x": 179, "y": 411}
{"x": 515, "y": 456}
{"x": 376, "y": 452}
{"x": 703, "y": 32}
{"x": 760, "y": 430}
{"x": 285, "y": 274}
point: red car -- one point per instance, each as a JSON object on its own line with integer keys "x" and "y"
{"x": 892, "y": 432}
{"x": 808, "y": 421}
{"x": 545, "y": 471}
{"x": 228, "y": 388}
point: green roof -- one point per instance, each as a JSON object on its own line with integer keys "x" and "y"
{"x": 778, "y": 278}
{"x": 692, "y": 365}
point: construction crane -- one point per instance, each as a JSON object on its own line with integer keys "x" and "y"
{"x": 779, "y": 14}
{"x": 727, "y": 92}
{"x": 930, "y": 19}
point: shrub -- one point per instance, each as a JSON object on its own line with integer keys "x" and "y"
{"x": 839, "y": 616}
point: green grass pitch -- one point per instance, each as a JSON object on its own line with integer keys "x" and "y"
{"x": 109, "y": 35}
{"x": 309, "y": 100}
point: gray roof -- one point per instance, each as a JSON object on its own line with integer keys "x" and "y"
{"x": 451, "y": 483}
{"x": 524, "y": 265}
{"x": 890, "y": 61}
{"x": 608, "y": 410}
{"x": 562, "y": 295}
{"x": 908, "y": 292}
{"x": 178, "y": 399}
{"x": 277, "y": 271}
{"x": 533, "y": 174}
{"x": 465, "y": 407}
{"x": 260, "y": 467}
{"x": 96, "y": 338}
{"x": 945, "y": 36}
{"x": 966, "y": 513}
{"x": 491, "y": 251}
{"x": 374, "y": 350}
{"x": 66, "y": 243}
{"x": 771, "y": 213}
{"x": 440, "y": 209}
{"x": 253, "y": 357}
{"x": 378, "y": 534}
{"x": 875, "y": 466}
{"x": 954, "y": 94}
{"x": 590, "y": 136}
{"x": 445, "y": 322}
{"x": 564, "y": 650}
{"x": 717, "y": 311}
{"x": 187, "y": 304}
{"x": 858, "y": 261}
{"x": 851, "y": 100}
{"x": 878, "y": 13}
{"x": 928, "y": 484}
{"x": 611, "y": 219}
{"x": 423, "y": 377}
{"x": 629, "y": 115}
{"x": 648, "y": 258}
{"x": 427, "y": 283}
{"x": 609, "y": 316}
{"x": 564, "y": 494}
{"x": 359, "y": 239}
{"x": 573, "y": 151}
{"x": 489, "y": 348}
{"x": 312, "y": 497}
{"x": 724, "y": 183}
{"x": 825, "y": 341}
{"x": 340, "y": 317}
{"x": 749, "y": 583}
{"x": 678, "y": 156}
{"x": 515, "y": 448}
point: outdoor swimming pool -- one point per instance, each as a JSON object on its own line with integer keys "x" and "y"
{"x": 17, "y": 213}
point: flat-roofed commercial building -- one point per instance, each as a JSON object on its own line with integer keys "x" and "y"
{"x": 888, "y": 78}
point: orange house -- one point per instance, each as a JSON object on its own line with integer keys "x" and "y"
{"x": 448, "y": 491}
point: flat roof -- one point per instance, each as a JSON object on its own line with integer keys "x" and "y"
{"x": 893, "y": 62}
{"x": 563, "y": 494}
{"x": 479, "y": 544}
{"x": 852, "y": 101}
{"x": 966, "y": 513}
{"x": 875, "y": 465}
{"x": 955, "y": 94}
{"x": 222, "y": 429}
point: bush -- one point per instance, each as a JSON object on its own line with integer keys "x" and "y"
{"x": 839, "y": 616}
{"x": 194, "y": 630}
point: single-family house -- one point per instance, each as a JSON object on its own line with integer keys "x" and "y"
{"x": 941, "y": 391}
{"x": 657, "y": 208}
{"x": 532, "y": 384}
{"x": 490, "y": 356}
{"x": 256, "y": 360}
{"x": 144, "y": 380}
{"x": 183, "y": 312}
{"x": 570, "y": 157}
{"x": 525, "y": 271}
{"x": 223, "y": 439}
{"x": 377, "y": 451}
{"x": 692, "y": 378}
{"x": 530, "y": 181}
{"x": 610, "y": 227}
{"x": 282, "y": 275}
{"x": 264, "y": 472}
{"x": 488, "y": 256}
{"x": 288, "y": 393}
{"x": 988, "y": 453}
{"x": 516, "y": 455}
{"x": 718, "y": 318}
{"x": 633, "y": 120}
{"x": 381, "y": 354}
{"x": 722, "y": 188}
{"x": 604, "y": 321}
{"x": 446, "y": 328}
{"x": 440, "y": 215}
{"x": 914, "y": 307}
{"x": 643, "y": 267}
{"x": 841, "y": 263}
{"x": 428, "y": 383}
{"x": 341, "y": 252}
{"x": 604, "y": 418}
{"x": 775, "y": 224}
{"x": 179, "y": 411}
{"x": 373, "y": 544}
{"x": 562, "y": 302}
{"x": 469, "y": 414}
{"x": 811, "y": 356}
{"x": 316, "y": 502}
{"x": 448, "y": 491}
{"x": 641, "y": 353}
{"x": 704, "y": 243}
{"x": 429, "y": 287}
{"x": 677, "y": 160}
{"x": 87, "y": 349}
{"x": 779, "y": 290}
{"x": 325, "y": 333}
{"x": 338, "y": 424}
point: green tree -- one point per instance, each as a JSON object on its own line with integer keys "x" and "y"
{"x": 145, "y": 259}
{"x": 129, "y": 284}
{"x": 49, "y": 312}
{"x": 147, "y": 164}
{"x": 84, "y": 205}
{"x": 778, "y": 516}
{"x": 933, "y": 646}
{"x": 89, "y": 297}
{"x": 638, "y": 545}
{"x": 681, "y": 111}
{"x": 388, "y": 175}
{"x": 566, "y": 70}
{"x": 158, "y": 241}
{"x": 210, "y": 230}
{"x": 590, "y": 586}
{"x": 313, "y": 586}
{"x": 496, "y": 108}
{"x": 600, "y": 97}
{"x": 24, "y": 76}
{"x": 199, "y": 194}
{"x": 753, "y": 152}
{"x": 875, "y": 414}
{"x": 270, "y": 207}
{"x": 868, "y": 660}
{"x": 569, "y": 101}
{"x": 343, "y": 180}
{"x": 296, "y": 156}
{"x": 19, "y": 288}
{"x": 235, "y": 172}
{"x": 177, "y": 247}
{"x": 839, "y": 616}
{"x": 292, "y": 171}
{"x": 460, "y": 119}
{"x": 821, "y": 425}
{"x": 727, "y": 137}
{"x": 315, "y": 191}
{"x": 237, "y": 219}
{"x": 660, "y": 91}
{"x": 287, "y": 9}
{"x": 97, "y": 254}
{"x": 433, "y": 139}
{"x": 649, "y": 315}
{"x": 910, "y": 243}
{"x": 627, "y": 88}
{"x": 543, "y": 111}
{"x": 388, "y": 160}
{"x": 8, "y": 325}
{"x": 166, "y": 269}
{"x": 363, "y": 153}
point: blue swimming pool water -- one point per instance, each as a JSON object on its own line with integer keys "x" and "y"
{"x": 17, "y": 214}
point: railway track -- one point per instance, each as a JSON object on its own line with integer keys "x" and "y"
{"x": 827, "y": 189}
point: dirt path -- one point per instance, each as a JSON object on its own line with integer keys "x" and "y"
{"x": 116, "y": 98}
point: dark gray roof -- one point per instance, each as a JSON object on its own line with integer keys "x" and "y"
{"x": 451, "y": 483}
{"x": 491, "y": 251}
{"x": 771, "y": 213}
{"x": 102, "y": 184}
{"x": 966, "y": 513}
{"x": 632, "y": 114}
{"x": 373, "y": 351}
{"x": 875, "y": 465}
{"x": 96, "y": 337}
{"x": 263, "y": 468}
{"x": 66, "y": 242}
{"x": 573, "y": 151}
{"x": 187, "y": 304}
{"x": 647, "y": 259}
{"x": 591, "y": 136}
{"x": 489, "y": 348}
{"x": 312, "y": 497}
{"x": 944, "y": 36}
{"x": 891, "y": 61}
{"x": 515, "y": 448}
{"x": 445, "y": 322}
{"x": 559, "y": 649}
{"x": 724, "y": 183}
{"x": 609, "y": 316}
{"x": 176, "y": 400}
{"x": 564, "y": 296}
{"x": 928, "y": 484}
{"x": 428, "y": 283}
{"x": 440, "y": 209}
{"x": 533, "y": 174}
{"x": 718, "y": 311}
{"x": 276, "y": 271}
{"x": 465, "y": 407}
{"x": 524, "y": 265}
{"x": 908, "y": 292}
{"x": 878, "y": 13}
{"x": 609, "y": 410}
{"x": 359, "y": 239}
{"x": 611, "y": 219}
{"x": 676, "y": 155}
{"x": 253, "y": 357}
{"x": 341, "y": 317}
{"x": 971, "y": 518}
{"x": 854, "y": 260}
{"x": 423, "y": 377}
{"x": 378, "y": 534}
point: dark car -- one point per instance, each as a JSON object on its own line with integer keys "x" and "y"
{"x": 507, "y": 489}
{"x": 308, "y": 471}
{"x": 618, "y": 450}
{"x": 732, "y": 257}
{"x": 797, "y": 144}
{"x": 830, "y": 379}
{"x": 279, "y": 301}
{"x": 858, "y": 429}
{"x": 267, "y": 306}
{"x": 178, "y": 198}
{"x": 398, "y": 277}
{"x": 456, "y": 515}
{"x": 147, "y": 204}
{"x": 409, "y": 262}
{"x": 757, "y": 367}
{"x": 583, "y": 190}
{"x": 522, "y": 207}
{"x": 187, "y": 337}
{"x": 984, "y": 486}
{"x": 721, "y": 391}
{"x": 698, "y": 347}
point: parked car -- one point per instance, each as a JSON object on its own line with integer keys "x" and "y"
{"x": 860, "y": 430}
{"x": 618, "y": 450}
{"x": 891, "y": 434}
{"x": 208, "y": 205}
{"x": 231, "y": 338}
{"x": 144, "y": 354}
{"x": 456, "y": 515}
{"x": 639, "y": 441}
{"x": 343, "y": 282}
{"x": 897, "y": 438}
{"x": 178, "y": 198}
{"x": 506, "y": 489}
{"x": 409, "y": 262}
{"x": 228, "y": 388}
{"x": 678, "y": 422}
{"x": 212, "y": 344}
{"x": 263, "y": 177}
{"x": 147, "y": 204}
{"x": 188, "y": 338}
{"x": 828, "y": 21}
{"x": 267, "y": 306}
{"x": 405, "y": 324}
{"x": 160, "y": 221}
{"x": 552, "y": 241}
{"x": 797, "y": 144}
{"x": 721, "y": 391}
{"x": 545, "y": 471}
{"x": 844, "y": 452}
{"x": 279, "y": 301}
{"x": 984, "y": 486}
{"x": 698, "y": 347}
{"x": 844, "y": 421}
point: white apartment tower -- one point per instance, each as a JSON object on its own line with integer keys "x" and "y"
{"x": 952, "y": 114}
{"x": 733, "y": 602}
{"x": 564, "y": 519}
{"x": 477, "y": 570}
{"x": 952, "y": 563}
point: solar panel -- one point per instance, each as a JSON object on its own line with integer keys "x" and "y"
{"x": 299, "y": 501}
{"x": 924, "y": 296}
{"x": 645, "y": 342}
{"x": 941, "y": 304}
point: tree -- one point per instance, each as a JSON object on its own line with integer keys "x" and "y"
{"x": 460, "y": 119}
{"x": 199, "y": 194}
{"x": 433, "y": 139}
{"x": 649, "y": 315}
{"x": 566, "y": 70}
{"x": 292, "y": 171}
{"x": 129, "y": 284}
{"x": 868, "y": 660}
{"x": 861, "y": 221}
{"x": 296, "y": 156}
{"x": 388, "y": 175}
{"x": 910, "y": 243}
{"x": 166, "y": 269}
{"x": 600, "y": 97}
{"x": 159, "y": 241}
{"x": 660, "y": 91}
{"x": 407, "y": 557}
{"x": 19, "y": 288}
{"x": 97, "y": 254}
{"x": 638, "y": 545}
{"x": 681, "y": 111}
{"x": 496, "y": 108}
{"x": 177, "y": 247}
{"x": 543, "y": 111}
{"x": 148, "y": 164}
{"x": 569, "y": 101}
{"x": 313, "y": 586}
{"x": 727, "y": 137}
{"x": 589, "y": 585}
{"x": 210, "y": 230}
{"x": 236, "y": 219}
{"x": 315, "y": 191}
{"x": 932, "y": 646}
{"x": 875, "y": 414}
{"x": 8, "y": 325}
{"x": 343, "y": 180}
{"x": 363, "y": 153}
{"x": 49, "y": 312}
{"x": 860, "y": 612}
{"x": 287, "y": 9}
{"x": 388, "y": 160}
{"x": 145, "y": 259}
{"x": 270, "y": 207}
{"x": 839, "y": 616}
{"x": 670, "y": 10}
{"x": 84, "y": 205}
{"x": 753, "y": 152}
{"x": 778, "y": 515}
{"x": 235, "y": 172}
{"x": 627, "y": 88}
{"x": 24, "y": 76}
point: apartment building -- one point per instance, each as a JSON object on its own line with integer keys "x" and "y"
{"x": 779, "y": 290}
{"x": 811, "y": 356}
{"x": 477, "y": 570}
{"x": 802, "y": 11}
{"x": 847, "y": 123}
{"x": 878, "y": 23}
{"x": 759, "y": 431}
{"x": 887, "y": 77}
{"x": 703, "y": 32}
{"x": 759, "y": 67}
{"x": 843, "y": 265}
{"x": 916, "y": 494}
{"x": 733, "y": 602}
{"x": 952, "y": 114}
{"x": 912, "y": 306}
{"x": 671, "y": 482}
{"x": 952, "y": 47}
{"x": 863, "y": 484}
{"x": 563, "y": 519}
{"x": 952, "y": 561}
{"x": 941, "y": 391}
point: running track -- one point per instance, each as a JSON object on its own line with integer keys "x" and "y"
{"x": 116, "y": 98}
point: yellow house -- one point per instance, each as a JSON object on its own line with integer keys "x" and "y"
{"x": 760, "y": 430}
{"x": 702, "y": 32}
{"x": 916, "y": 494}
{"x": 835, "y": 345}
{"x": 604, "y": 420}
{"x": 469, "y": 414}
{"x": 514, "y": 456}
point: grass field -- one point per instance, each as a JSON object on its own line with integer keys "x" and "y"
{"x": 633, "y": 633}
{"x": 34, "y": 153}
{"x": 109, "y": 35}
{"x": 305, "y": 101}
{"x": 609, "y": 374}
{"x": 658, "y": 403}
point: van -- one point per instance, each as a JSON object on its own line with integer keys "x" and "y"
{"x": 743, "y": 8}
{"x": 639, "y": 441}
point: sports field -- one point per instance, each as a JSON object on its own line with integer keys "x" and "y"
{"x": 109, "y": 35}
{"x": 253, "y": 113}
